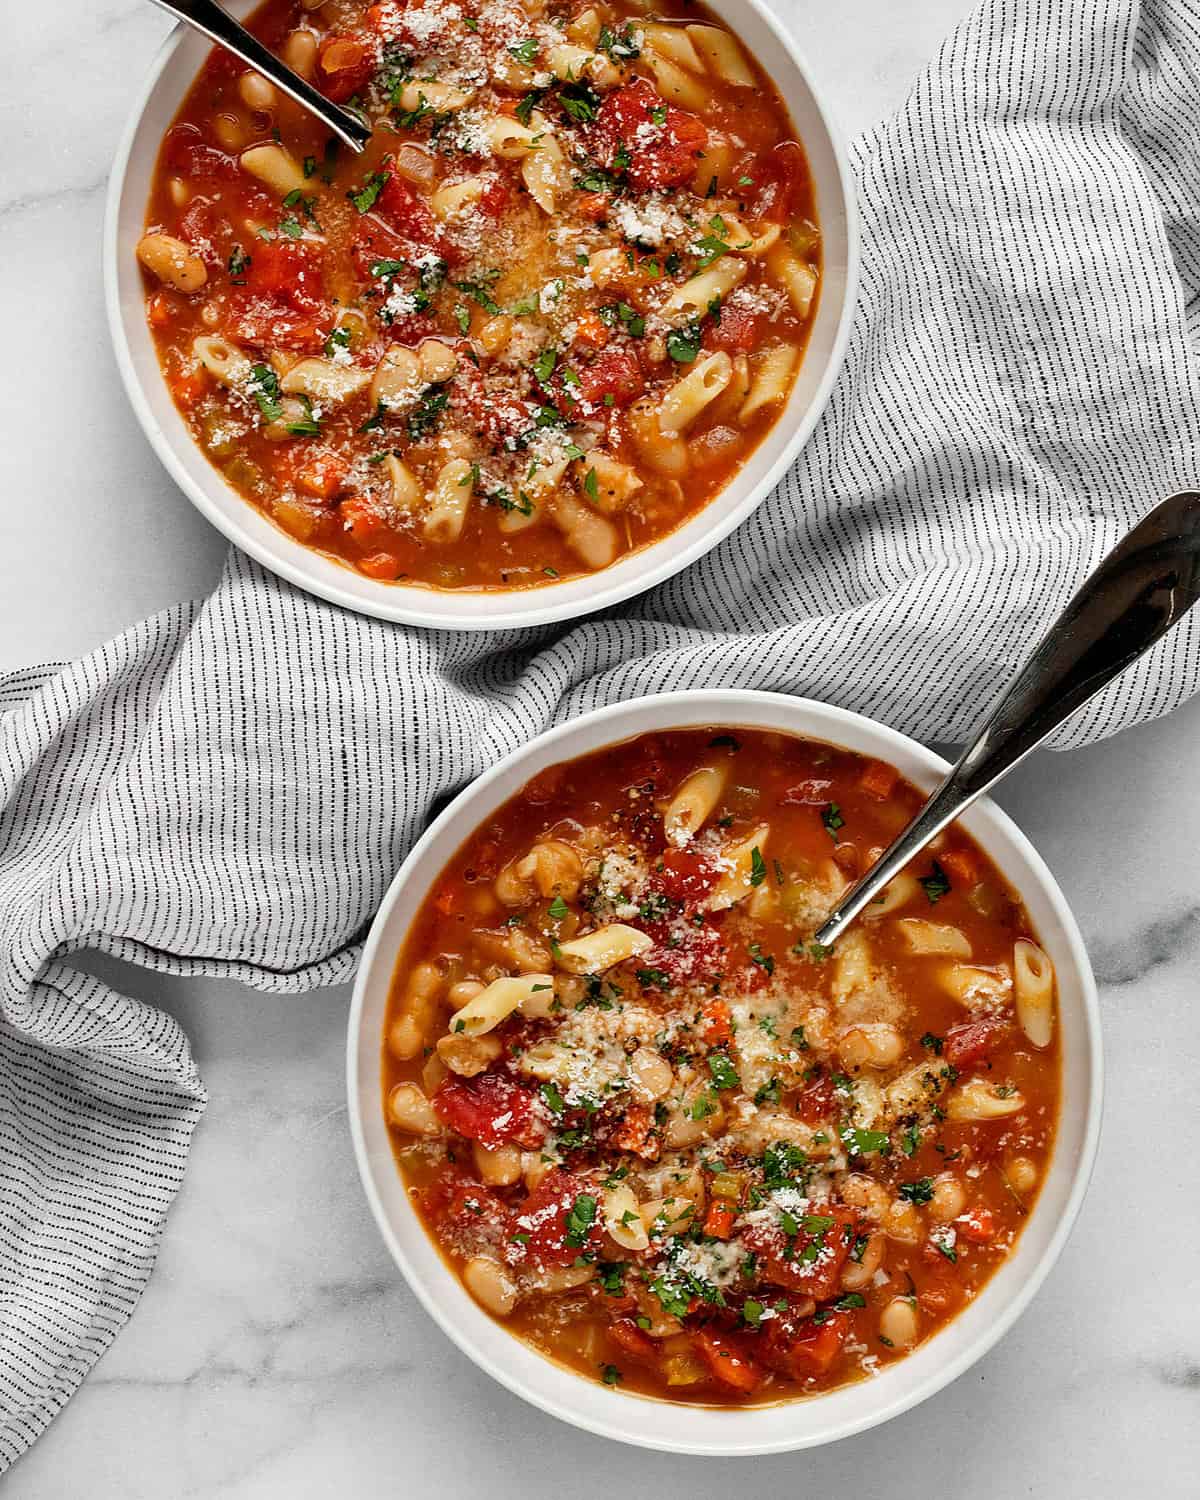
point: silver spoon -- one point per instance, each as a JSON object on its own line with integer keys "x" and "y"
{"x": 207, "y": 16}
{"x": 1145, "y": 585}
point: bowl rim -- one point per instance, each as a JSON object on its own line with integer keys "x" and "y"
{"x": 817, "y": 720}
{"x": 409, "y": 605}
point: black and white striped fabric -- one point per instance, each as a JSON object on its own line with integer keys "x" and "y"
{"x": 227, "y": 789}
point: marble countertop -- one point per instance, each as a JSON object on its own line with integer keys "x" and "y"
{"x": 277, "y": 1354}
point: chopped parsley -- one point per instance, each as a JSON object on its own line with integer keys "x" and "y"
{"x": 580, "y": 1219}
{"x": 723, "y": 1072}
{"x": 683, "y": 344}
{"x": 832, "y": 819}
{"x": 427, "y": 413}
{"x": 237, "y": 265}
{"x": 758, "y": 866}
{"x": 919, "y": 1191}
{"x": 525, "y": 51}
{"x": 558, "y": 909}
{"x": 364, "y": 199}
{"x": 264, "y": 387}
{"x": 611, "y": 1375}
{"x": 936, "y": 885}
{"x": 859, "y": 1142}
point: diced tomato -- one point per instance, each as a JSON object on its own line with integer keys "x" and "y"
{"x": 718, "y": 1221}
{"x": 970, "y": 1042}
{"x": 630, "y": 1339}
{"x": 717, "y": 1024}
{"x": 737, "y": 330}
{"x": 345, "y": 65}
{"x": 687, "y": 876}
{"x": 808, "y": 1350}
{"x": 490, "y": 1109}
{"x": 636, "y": 1133}
{"x": 561, "y": 1218}
{"x": 811, "y": 1260}
{"x": 879, "y": 779}
{"x": 978, "y": 1225}
{"x": 321, "y": 474}
{"x": 615, "y": 373}
{"x": 663, "y": 143}
{"x": 816, "y": 1102}
{"x": 727, "y": 1356}
{"x": 695, "y": 954}
{"x": 812, "y": 792}
{"x": 381, "y": 565}
{"x": 268, "y": 326}
{"x": 776, "y": 177}
{"x": 291, "y": 271}
{"x": 452, "y": 1198}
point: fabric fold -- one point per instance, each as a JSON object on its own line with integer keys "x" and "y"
{"x": 227, "y": 789}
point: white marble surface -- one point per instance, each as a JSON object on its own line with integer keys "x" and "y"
{"x": 277, "y": 1354}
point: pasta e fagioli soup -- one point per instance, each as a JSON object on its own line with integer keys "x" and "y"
{"x": 662, "y": 1136}
{"x": 541, "y": 323}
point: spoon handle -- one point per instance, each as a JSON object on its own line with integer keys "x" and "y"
{"x": 215, "y": 22}
{"x": 1145, "y": 585}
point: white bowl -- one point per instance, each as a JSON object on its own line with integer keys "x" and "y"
{"x": 705, "y": 1430}
{"x": 249, "y": 528}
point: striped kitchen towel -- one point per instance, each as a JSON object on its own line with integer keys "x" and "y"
{"x": 227, "y": 789}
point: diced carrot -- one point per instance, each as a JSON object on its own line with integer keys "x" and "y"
{"x": 879, "y": 779}
{"x": 381, "y": 565}
{"x": 590, "y": 331}
{"x": 361, "y": 518}
{"x": 718, "y": 1023}
{"x": 728, "y": 1363}
{"x": 959, "y": 864}
{"x": 718, "y": 1222}
{"x": 321, "y": 475}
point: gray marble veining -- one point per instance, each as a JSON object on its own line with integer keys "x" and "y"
{"x": 277, "y": 1355}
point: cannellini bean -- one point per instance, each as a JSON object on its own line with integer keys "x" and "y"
{"x": 468, "y": 1055}
{"x": 651, "y": 1075}
{"x": 1022, "y": 1175}
{"x": 422, "y": 991}
{"x": 949, "y": 1198}
{"x": 397, "y": 381}
{"x": 858, "y": 1273}
{"x": 978, "y": 1099}
{"x": 500, "y": 1167}
{"x": 490, "y": 1285}
{"x": 898, "y": 1323}
{"x": 863, "y": 1192}
{"x": 410, "y": 1110}
{"x": 172, "y": 262}
{"x": 553, "y": 868}
{"x": 871, "y": 1045}
{"x": 902, "y": 1222}
{"x": 300, "y": 52}
{"x": 257, "y": 92}
{"x": 437, "y": 361}
{"x": 276, "y": 167}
